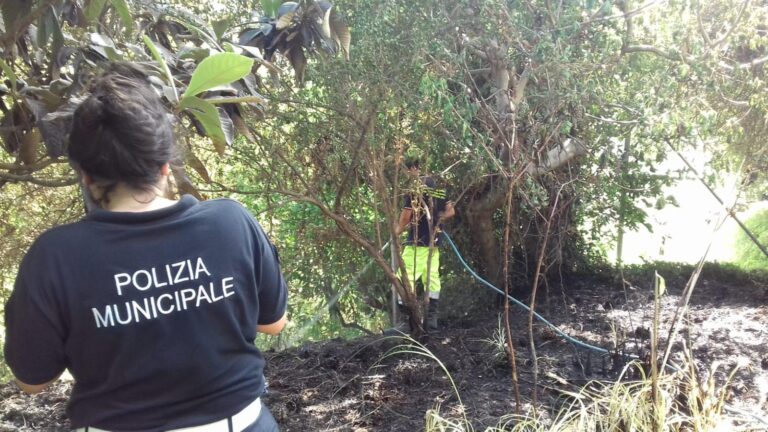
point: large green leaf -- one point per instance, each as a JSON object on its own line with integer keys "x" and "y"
{"x": 218, "y": 69}
{"x": 125, "y": 15}
{"x": 208, "y": 116}
{"x": 93, "y": 10}
{"x": 159, "y": 58}
{"x": 8, "y": 72}
{"x": 45, "y": 25}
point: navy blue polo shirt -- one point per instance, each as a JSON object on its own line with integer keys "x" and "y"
{"x": 428, "y": 204}
{"x": 153, "y": 313}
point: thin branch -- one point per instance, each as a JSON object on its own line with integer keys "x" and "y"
{"x": 748, "y": 65}
{"x": 608, "y": 120}
{"x": 733, "y": 26}
{"x": 319, "y": 105}
{"x": 519, "y": 90}
{"x": 628, "y": 15}
{"x": 653, "y": 50}
{"x": 703, "y": 32}
{"x": 238, "y": 99}
{"x": 33, "y": 167}
{"x": 353, "y": 163}
{"x": 61, "y": 182}
{"x": 738, "y": 103}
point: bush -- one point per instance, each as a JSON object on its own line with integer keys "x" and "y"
{"x": 748, "y": 255}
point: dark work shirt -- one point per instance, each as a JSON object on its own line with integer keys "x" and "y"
{"x": 154, "y": 314}
{"x": 428, "y": 204}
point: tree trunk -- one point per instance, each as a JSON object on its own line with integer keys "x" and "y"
{"x": 483, "y": 232}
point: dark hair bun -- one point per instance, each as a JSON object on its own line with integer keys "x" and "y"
{"x": 121, "y": 132}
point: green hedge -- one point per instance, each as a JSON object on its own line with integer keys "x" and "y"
{"x": 748, "y": 255}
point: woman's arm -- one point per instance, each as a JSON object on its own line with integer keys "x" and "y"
{"x": 34, "y": 388}
{"x": 274, "y": 328}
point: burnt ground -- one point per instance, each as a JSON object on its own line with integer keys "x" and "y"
{"x": 356, "y": 386}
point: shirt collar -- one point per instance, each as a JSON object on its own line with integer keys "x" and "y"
{"x": 101, "y": 215}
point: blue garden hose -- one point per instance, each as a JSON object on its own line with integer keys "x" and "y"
{"x": 562, "y": 333}
{"x": 523, "y": 305}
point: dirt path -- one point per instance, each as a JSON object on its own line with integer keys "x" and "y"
{"x": 357, "y": 386}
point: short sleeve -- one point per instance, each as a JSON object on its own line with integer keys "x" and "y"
{"x": 34, "y": 339}
{"x": 272, "y": 289}
{"x": 407, "y": 204}
{"x": 440, "y": 205}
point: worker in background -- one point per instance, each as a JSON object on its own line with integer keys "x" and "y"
{"x": 424, "y": 211}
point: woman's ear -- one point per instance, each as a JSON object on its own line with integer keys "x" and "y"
{"x": 165, "y": 170}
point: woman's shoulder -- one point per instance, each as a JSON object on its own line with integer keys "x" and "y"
{"x": 57, "y": 238}
{"x": 229, "y": 209}
{"x": 224, "y": 205}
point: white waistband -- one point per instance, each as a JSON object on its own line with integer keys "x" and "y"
{"x": 240, "y": 421}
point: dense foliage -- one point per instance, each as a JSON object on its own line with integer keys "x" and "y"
{"x": 748, "y": 254}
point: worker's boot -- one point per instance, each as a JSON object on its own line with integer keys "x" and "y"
{"x": 432, "y": 320}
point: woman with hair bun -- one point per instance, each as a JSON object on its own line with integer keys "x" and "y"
{"x": 152, "y": 304}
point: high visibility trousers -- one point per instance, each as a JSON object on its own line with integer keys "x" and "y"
{"x": 415, "y": 259}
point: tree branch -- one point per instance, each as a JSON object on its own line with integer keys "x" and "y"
{"x": 733, "y": 26}
{"x": 703, "y": 32}
{"x": 360, "y": 143}
{"x": 628, "y": 49}
{"x": 748, "y": 65}
{"x": 29, "y": 168}
{"x": 66, "y": 181}
{"x": 518, "y": 92}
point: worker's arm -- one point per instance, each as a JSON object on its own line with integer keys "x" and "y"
{"x": 449, "y": 211}
{"x": 405, "y": 220}
{"x": 34, "y": 388}
{"x": 274, "y": 328}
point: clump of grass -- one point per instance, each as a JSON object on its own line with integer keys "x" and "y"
{"x": 434, "y": 422}
{"x": 498, "y": 343}
{"x": 685, "y": 402}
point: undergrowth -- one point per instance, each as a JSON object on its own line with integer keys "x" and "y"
{"x": 688, "y": 399}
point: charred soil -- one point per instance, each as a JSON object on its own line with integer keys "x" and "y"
{"x": 379, "y": 384}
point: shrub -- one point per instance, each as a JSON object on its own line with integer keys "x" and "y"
{"x": 748, "y": 255}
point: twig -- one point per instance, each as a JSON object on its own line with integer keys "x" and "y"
{"x": 534, "y": 289}
{"x": 508, "y": 328}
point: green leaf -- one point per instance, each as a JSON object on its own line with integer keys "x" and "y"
{"x": 565, "y": 127}
{"x": 94, "y": 9}
{"x": 125, "y": 15}
{"x": 9, "y": 74}
{"x": 220, "y": 27}
{"x": 45, "y": 26}
{"x": 218, "y": 69}
{"x": 208, "y": 116}
{"x": 198, "y": 166}
{"x": 159, "y": 58}
{"x": 270, "y": 7}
